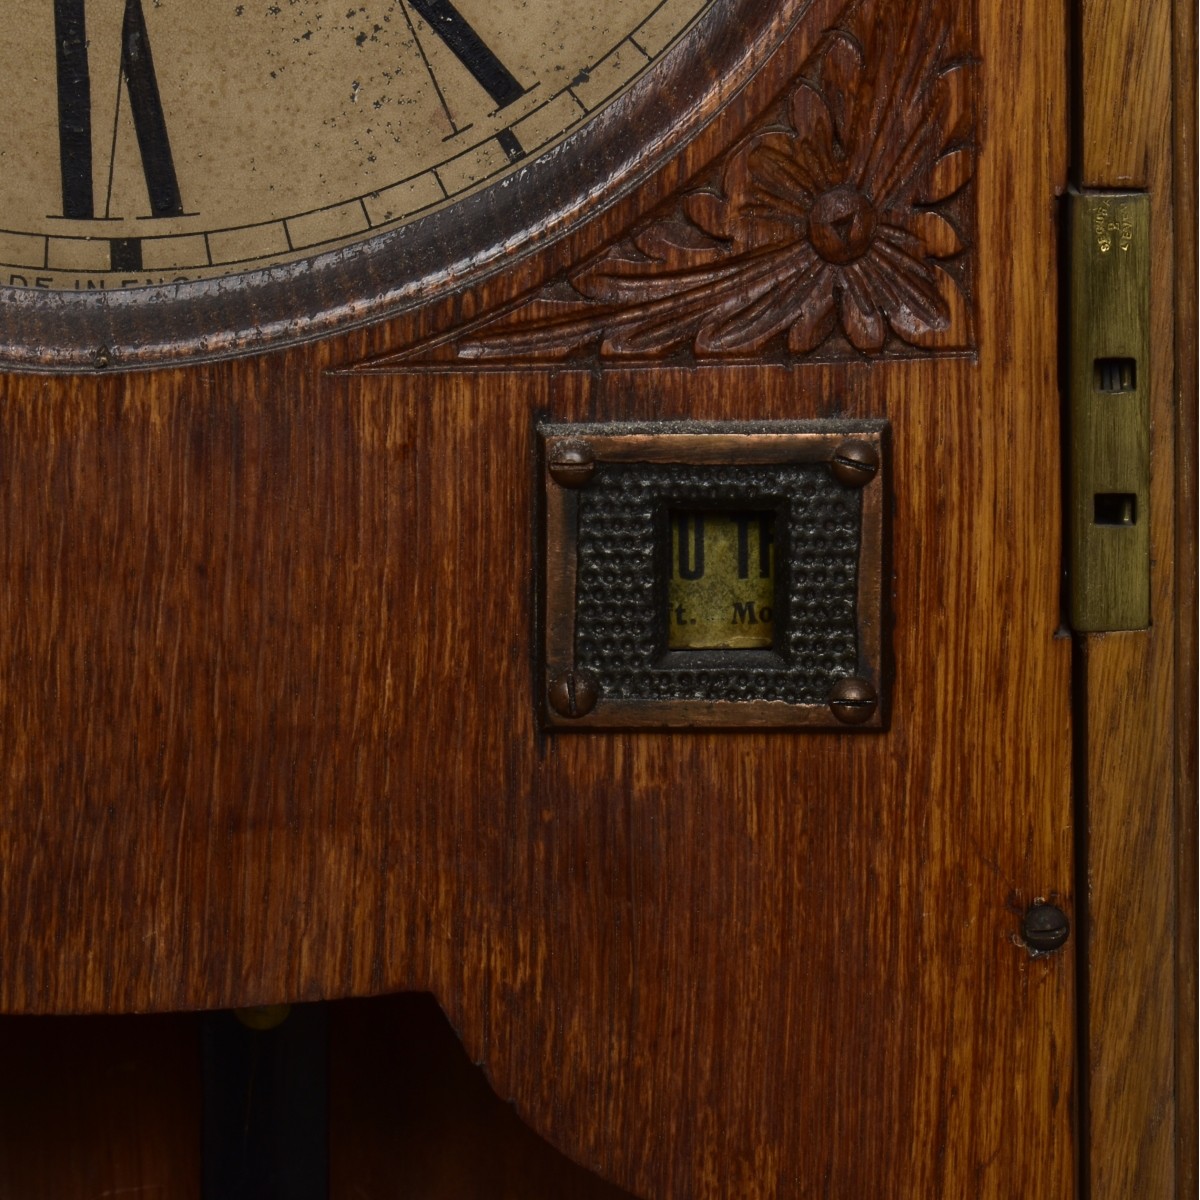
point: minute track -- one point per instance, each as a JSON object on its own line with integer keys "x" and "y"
{"x": 167, "y": 143}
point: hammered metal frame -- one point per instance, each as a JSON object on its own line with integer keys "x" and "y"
{"x": 591, "y": 449}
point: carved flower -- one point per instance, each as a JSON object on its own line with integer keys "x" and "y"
{"x": 846, "y": 212}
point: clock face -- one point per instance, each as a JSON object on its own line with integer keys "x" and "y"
{"x": 148, "y": 143}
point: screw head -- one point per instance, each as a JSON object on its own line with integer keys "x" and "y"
{"x": 854, "y": 463}
{"x": 263, "y": 1017}
{"x": 853, "y": 701}
{"x": 571, "y": 463}
{"x": 574, "y": 693}
{"x": 1045, "y": 928}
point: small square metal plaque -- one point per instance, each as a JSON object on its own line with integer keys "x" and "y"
{"x": 714, "y": 575}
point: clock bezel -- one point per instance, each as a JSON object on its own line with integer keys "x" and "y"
{"x": 401, "y": 268}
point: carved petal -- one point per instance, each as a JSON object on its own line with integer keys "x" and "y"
{"x": 816, "y": 142}
{"x": 772, "y": 188}
{"x": 861, "y": 319}
{"x": 657, "y": 335}
{"x": 676, "y": 242}
{"x": 907, "y": 290}
{"x": 817, "y": 316}
{"x": 773, "y": 305}
{"x": 620, "y": 282}
{"x": 709, "y": 211}
{"x": 554, "y": 333}
{"x": 955, "y": 89}
{"x": 952, "y": 332}
{"x": 923, "y": 303}
{"x": 665, "y": 325}
{"x": 841, "y": 78}
{"x": 950, "y": 173}
{"x": 779, "y": 177}
{"x": 938, "y": 236}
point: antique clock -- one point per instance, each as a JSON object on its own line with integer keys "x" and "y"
{"x": 540, "y": 525}
{"x": 269, "y": 173}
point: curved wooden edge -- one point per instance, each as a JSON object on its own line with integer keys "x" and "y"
{"x": 405, "y": 1090}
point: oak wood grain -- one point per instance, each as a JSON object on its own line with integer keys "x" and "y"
{"x": 1123, "y": 84}
{"x": 1138, "y": 787}
{"x": 1186, "y": 200}
{"x": 268, "y": 731}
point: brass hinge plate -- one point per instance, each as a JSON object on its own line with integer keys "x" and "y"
{"x": 1109, "y": 488}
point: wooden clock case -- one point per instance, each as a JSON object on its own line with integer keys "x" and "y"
{"x": 269, "y": 701}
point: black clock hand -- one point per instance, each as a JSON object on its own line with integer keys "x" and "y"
{"x": 137, "y": 66}
{"x": 75, "y": 111}
{"x": 470, "y": 50}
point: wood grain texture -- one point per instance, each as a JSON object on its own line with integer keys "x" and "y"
{"x": 1186, "y": 199}
{"x": 1129, "y": 683}
{"x": 268, "y": 731}
{"x": 1124, "y": 60}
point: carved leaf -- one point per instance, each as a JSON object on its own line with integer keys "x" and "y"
{"x": 937, "y": 235}
{"x": 950, "y": 173}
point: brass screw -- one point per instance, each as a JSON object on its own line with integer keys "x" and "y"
{"x": 574, "y": 693}
{"x": 853, "y": 701}
{"x": 1045, "y": 928}
{"x": 262, "y": 1017}
{"x": 102, "y": 359}
{"x": 854, "y": 463}
{"x": 571, "y": 463}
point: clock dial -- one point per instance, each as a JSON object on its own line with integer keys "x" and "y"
{"x": 154, "y": 142}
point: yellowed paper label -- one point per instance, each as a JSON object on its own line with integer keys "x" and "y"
{"x": 722, "y": 584}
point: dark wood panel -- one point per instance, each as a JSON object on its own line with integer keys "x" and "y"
{"x": 413, "y": 1117}
{"x": 100, "y": 1106}
{"x": 1185, "y": 149}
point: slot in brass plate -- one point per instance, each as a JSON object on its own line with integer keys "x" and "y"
{"x": 1109, "y": 491}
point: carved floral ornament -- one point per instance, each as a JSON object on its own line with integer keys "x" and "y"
{"x": 839, "y": 227}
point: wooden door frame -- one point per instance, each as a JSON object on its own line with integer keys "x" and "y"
{"x": 1135, "y": 128}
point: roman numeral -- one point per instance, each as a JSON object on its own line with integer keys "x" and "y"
{"x": 148, "y": 119}
{"x": 75, "y": 111}
{"x": 470, "y": 50}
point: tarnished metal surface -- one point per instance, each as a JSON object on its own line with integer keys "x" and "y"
{"x": 1109, "y": 490}
{"x": 717, "y": 575}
